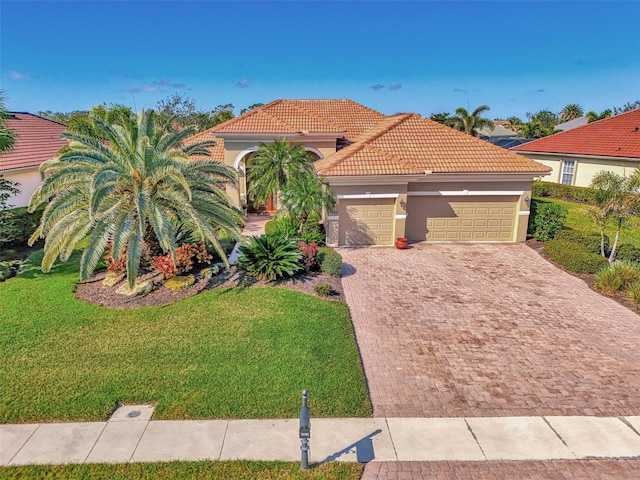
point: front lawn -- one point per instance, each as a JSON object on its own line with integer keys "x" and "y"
{"x": 578, "y": 219}
{"x": 238, "y": 353}
{"x": 237, "y": 470}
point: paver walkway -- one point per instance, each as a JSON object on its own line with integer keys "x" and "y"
{"x": 123, "y": 439}
{"x": 448, "y": 330}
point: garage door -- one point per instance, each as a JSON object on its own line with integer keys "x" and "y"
{"x": 367, "y": 221}
{"x": 476, "y": 219}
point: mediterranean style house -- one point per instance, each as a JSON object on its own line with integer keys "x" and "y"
{"x": 576, "y": 155}
{"x": 38, "y": 140}
{"x": 393, "y": 176}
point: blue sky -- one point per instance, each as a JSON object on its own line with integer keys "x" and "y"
{"x": 422, "y": 56}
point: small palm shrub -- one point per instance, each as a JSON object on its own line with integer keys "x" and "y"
{"x": 283, "y": 226}
{"x": 330, "y": 262}
{"x": 574, "y": 257}
{"x": 590, "y": 241}
{"x": 628, "y": 253}
{"x": 634, "y": 293}
{"x": 270, "y": 257}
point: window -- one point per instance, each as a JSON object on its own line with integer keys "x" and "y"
{"x": 568, "y": 167}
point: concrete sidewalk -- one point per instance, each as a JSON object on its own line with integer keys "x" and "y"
{"x": 123, "y": 439}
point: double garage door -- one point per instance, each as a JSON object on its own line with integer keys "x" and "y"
{"x": 435, "y": 218}
{"x": 474, "y": 219}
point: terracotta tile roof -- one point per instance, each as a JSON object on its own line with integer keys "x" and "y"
{"x": 38, "y": 141}
{"x": 617, "y": 136}
{"x": 217, "y": 152}
{"x": 410, "y": 144}
{"x": 340, "y": 117}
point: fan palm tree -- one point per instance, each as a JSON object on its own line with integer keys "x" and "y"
{"x": 134, "y": 191}
{"x": 471, "y": 122}
{"x": 273, "y": 165}
{"x": 570, "y": 112}
{"x": 593, "y": 116}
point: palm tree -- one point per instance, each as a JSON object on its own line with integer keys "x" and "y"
{"x": 470, "y": 123}
{"x": 593, "y": 116}
{"x": 514, "y": 124}
{"x": 134, "y": 191}
{"x": 570, "y": 112}
{"x": 7, "y": 136}
{"x": 273, "y": 166}
{"x": 618, "y": 198}
{"x": 306, "y": 196}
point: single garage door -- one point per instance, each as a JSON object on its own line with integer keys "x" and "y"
{"x": 483, "y": 218}
{"x": 367, "y": 221}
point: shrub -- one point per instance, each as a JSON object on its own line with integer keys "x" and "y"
{"x": 324, "y": 290}
{"x": 628, "y": 253}
{"x": 115, "y": 266}
{"x": 17, "y": 225}
{"x": 283, "y": 226}
{"x": 634, "y": 293}
{"x": 270, "y": 257}
{"x": 309, "y": 253}
{"x": 607, "y": 281}
{"x": 590, "y": 241}
{"x": 330, "y": 262}
{"x": 574, "y": 257}
{"x": 164, "y": 264}
{"x": 547, "y": 218}
{"x": 8, "y": 270}
{"x": 187, "y": 255}
{"x": 565, "y": 192}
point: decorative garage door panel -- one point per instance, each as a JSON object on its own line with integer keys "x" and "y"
{"x": 367, "y": 221}
{"x": 472, "y": 219}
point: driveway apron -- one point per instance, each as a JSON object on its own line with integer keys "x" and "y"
{"x": 449, "y": 330}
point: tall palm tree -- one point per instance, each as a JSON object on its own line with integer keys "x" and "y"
{"x": 272, "y": 167}
{"x": 471, "y": 122}
{"x": 570, "y": 112}
{"x": 593, "y": 116}
{"x": 134, "y": 191}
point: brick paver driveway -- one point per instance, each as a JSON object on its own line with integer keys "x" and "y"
{"x": 488, "y": 330}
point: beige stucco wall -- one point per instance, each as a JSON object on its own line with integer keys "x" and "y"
{"x": 585, "y": 167}
{"x": 29, "y": 179}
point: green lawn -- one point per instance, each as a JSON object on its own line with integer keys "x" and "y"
{"x": 578, "y": 219}
{"x": 237, "y": 470}
{"x": 238, "y": 353}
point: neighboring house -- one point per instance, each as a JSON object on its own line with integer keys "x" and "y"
{"x": 498, "y": 133}
{"x": 398, "y": 176}
{"x": 37, "y": 141}
{"x": 612, "y": 144}
{"x": 571, "y": 124}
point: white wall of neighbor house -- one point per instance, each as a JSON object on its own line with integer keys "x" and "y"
{"x": 579, "y": 170}
{"x": 29, "y": 180}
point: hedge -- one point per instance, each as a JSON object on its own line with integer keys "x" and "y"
{"x": 573, "y": 256}
{"x": 330, "y": 261}
{"x": 22, "y": 225}
{"x": 628, "y": 253}
{"x": 564, "y": 192}
{"x": 589, "y": 241}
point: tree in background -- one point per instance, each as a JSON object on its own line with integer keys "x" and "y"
{"x": 8, "y": 188}
{"x": 444, "y": 118}
{"x": 627, "y": 107}
{"x": 514, "y": 124}
{"x": 618, "y": 198}
{"x": 471, "y": 122}
{"x": 593, "y": 116}
{"x": 7, "y": 136}
{"x": 221, "y": 114}
{"x": 251, "y": 107}
{"x": 540, "y": 124}
{"x": 570, "y": 112}
{"x": 134, "y": 192}
{"x": 271, "y": 168}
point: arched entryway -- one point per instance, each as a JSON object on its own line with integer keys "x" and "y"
{"x": 240, "y": 164}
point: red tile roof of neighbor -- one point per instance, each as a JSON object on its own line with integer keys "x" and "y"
{"x": 617, "y": 136}
{"x": 340, "y": 117}
{"x": 410, "y": 144}
{"x": 38, "y": 141}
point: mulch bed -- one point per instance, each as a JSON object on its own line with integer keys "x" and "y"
{"x": 621, "y": 297}
{"x": 93, "y": 291}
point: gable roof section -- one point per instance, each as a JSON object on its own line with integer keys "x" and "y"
{"x": 217, "y": 151}
{"x": 617, "y": 136}
{"x": 337, "y": 117}
{"x": 410, "y": 144}
{"x": 38, "y": 140}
